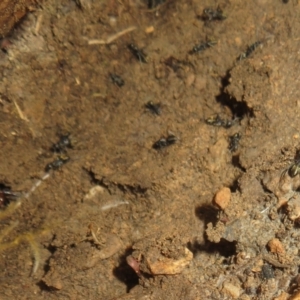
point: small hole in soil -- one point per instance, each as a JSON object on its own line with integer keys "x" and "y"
{"x": 234, "y": 186}
{"x": 239, "y": 109}
{"x": 4, "y": 186}
{"x": 207, "y": 213}
{"x": 224, "y": 248}
{"x": 236, "y": 162}
{"x": 43, "y": 287}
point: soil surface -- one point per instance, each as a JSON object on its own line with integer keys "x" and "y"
{"x": 150, "y": 150}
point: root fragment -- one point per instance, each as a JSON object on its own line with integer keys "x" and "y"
{"x": 113, "y": 204}
{"x": 94, "y": 235}
{"x": 111, "y": 38}
{"x": 20, "y": 113}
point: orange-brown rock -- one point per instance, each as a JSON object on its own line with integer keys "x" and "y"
{"x": 222, "y": 198}
{"x": 167, "y": 266}
{"x": 276, "y": 246}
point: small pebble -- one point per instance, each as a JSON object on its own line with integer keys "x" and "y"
{"x": 276, "y": 246}
{"x": 167, "y": 266}
{"x": 231, "y": 289}
{"x": 149, "y": 29}
{"x": 282, "y": 296}
{"x": 295, "y": 296}
{"x": 222, "y": 198}
{"x": 267, "y": 272}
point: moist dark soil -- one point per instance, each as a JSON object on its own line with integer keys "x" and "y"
{"x": 120, "y": 122}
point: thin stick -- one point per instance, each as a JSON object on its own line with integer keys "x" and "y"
{"x": 22, "y": 116}
{"x": 36, "y": 185}
{"x": 112, "y": 37}
{"x": 38, "y": 24}
{"x": 113, "y": 204}
{"x": 36, "y": 253}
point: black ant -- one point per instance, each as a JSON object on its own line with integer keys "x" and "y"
{"x": 138, "y": 53}
{"x": 249, "y": 50}
{"x": 234, "y": 142}
{"x": 6, "y": 195}
{"x": 202, "y": 46}
{"x": 63, "y": 143}
{"x": 117, "y": 80}
{"x": 293, "y": 170}
{"x": 164, "y": 142}
{"x": 218, "y": 122}
{"x": 58, "y": 163}
{"x": 154, "y": 108}
{"x": 210, "y": 14}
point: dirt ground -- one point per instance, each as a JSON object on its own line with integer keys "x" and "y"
{"x": 150, "y": 150}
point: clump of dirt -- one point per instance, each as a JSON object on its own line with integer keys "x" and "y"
{"x": 12, "y": 12}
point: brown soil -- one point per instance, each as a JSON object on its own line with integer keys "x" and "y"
{"x": 133, "y": 213}
{"x": 12, "y": 11}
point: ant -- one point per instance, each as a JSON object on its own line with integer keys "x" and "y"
{"x": 234, "y": 142}
{"x": 249, "y": 50}
{"x": 58, "y": 163}
{"x": 116, "y": 79}
{"x": 164, "y": 142}
{"x": 218, "y": 122}
{"x": 210, "y": 14}
{"x": 154, "y": 108}
{"x": 202, "y": 46}
{"x": 293, "y": 170}
{"x": 63, "y": 143}
{"x": 6, "y": 195}
{"x": 138, "y": 53}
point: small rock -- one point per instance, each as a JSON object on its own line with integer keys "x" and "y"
{"x": 231, "y": 289}
{"x": 219, "y": 155}
{"x": 276, "y": 246}
{"x": 222, "y": 198}
{"x": 53, "y": 280}
{"x": 295, "y": 296}
{"x": 149, "y": 29}
{"x": 93, "y": 192}
{"x": 245, "y": 297}
{"x": 293, "y": 208}
{"x": 167, "y": 266}
{"x": 282, "y": 296}
{"x": 257, "y": 266}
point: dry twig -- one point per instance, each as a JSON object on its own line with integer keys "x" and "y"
{"x": 111, "y": 38}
